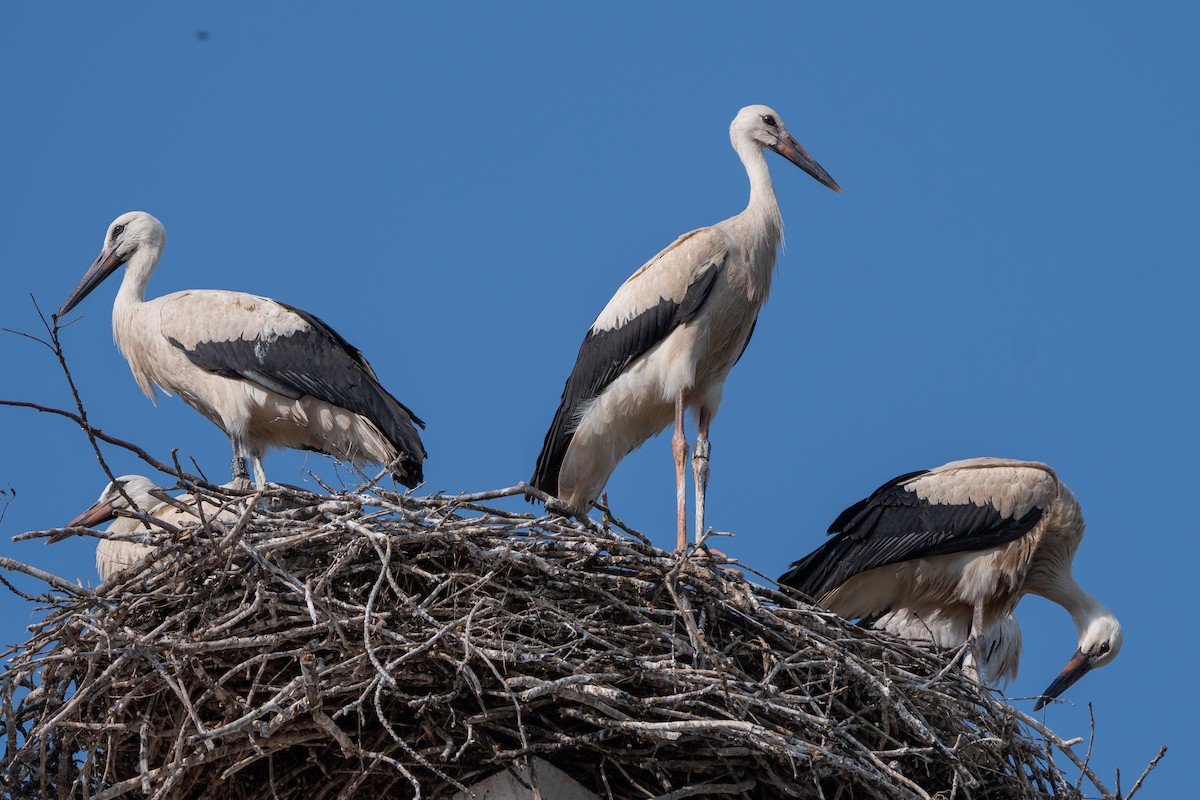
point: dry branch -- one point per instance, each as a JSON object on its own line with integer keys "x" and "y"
{"x": 379, "y": 645}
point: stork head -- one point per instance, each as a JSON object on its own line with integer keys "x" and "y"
{"x": 763, "y": 127}
{"x": 138, "y": 488}
{"x": 128, "y": 233}
{"x": 1099, "y": 642}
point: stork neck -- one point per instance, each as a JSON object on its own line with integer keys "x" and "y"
{"x": 763, "y": 203}
{"x": 137, "y": 276}
{"x": 1082, "y": 607}
{"x": 758, "y": 229}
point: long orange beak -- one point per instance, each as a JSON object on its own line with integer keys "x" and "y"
{"x": 96, "y": 514}
{"x": 1079, "y": 665}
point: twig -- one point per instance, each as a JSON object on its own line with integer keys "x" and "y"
{"x": 53, "y": 580}
{"x": 1153, "y": 763}
{"x": 1065, "y": 749}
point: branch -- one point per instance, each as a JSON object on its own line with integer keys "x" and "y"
{"x": 97, "y": 434}
{"x": 1066, "y": 749}
{"x": 55, "y": 581}
{"x": 1153, "y": 763}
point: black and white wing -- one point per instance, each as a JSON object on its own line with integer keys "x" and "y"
{"x": 917, "y": 515}
{"x": 288, "y": 351}
{"x": 665, "y": 293}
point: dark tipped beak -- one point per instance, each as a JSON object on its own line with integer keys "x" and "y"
{"x": 105, "y": 264}
{"x": 790, "y": 149}
{"x": 98, "y": 513}
{"x": 1076, "y": 668}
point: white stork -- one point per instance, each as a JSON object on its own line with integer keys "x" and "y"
{"x": 962, "y": 542}
{"x": 267, "y": 374}
{"x": 114, "y": 555}
{"x": 1001, "y": 643}
{"x": 670, "y": 335}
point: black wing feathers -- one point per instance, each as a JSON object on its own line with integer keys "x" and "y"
{"x": 318, "y": 363}
{"x": 603, "y": 356}
{"x": 891, "y": 493}
{"x": 746, "y": 344}
{"x": 895, "y": 525}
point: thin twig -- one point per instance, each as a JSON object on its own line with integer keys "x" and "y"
{"x": 1153, "y": 763}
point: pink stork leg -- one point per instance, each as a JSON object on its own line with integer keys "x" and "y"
{"x": 679, "y": 447}
{"x": 700, "y": 470}
{"x": 977, "y": 637}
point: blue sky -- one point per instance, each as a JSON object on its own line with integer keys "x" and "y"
{"x": 459, "y": 188}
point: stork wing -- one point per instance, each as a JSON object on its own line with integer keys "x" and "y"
{"x": 894, "y": 525}
{"x": 665, "y": 293}
{"x": 288, "y": 351}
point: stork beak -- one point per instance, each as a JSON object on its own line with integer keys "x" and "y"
{"x": 1076, "y": 668}
{"x": 790, "y": 149}
{"x": 105, "y": 264}
{"x": 99, "y": 512}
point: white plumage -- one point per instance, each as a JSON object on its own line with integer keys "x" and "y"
{"x": 960, "y": 545}
{"x": 116, "y": 554}
{"x": 669, "y": 336}
{"x": 267, "y": 374}
{"x": 1000, "y": 645}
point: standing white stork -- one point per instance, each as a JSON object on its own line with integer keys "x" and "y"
{"x": 267, "y": 374}
{"x": 962, "y": 542}
{"x": 1001, "y": 643}
{"x": 114, "y": 555}
{"x": 670, "y": 335}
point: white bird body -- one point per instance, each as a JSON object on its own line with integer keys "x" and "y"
{"x": 694, "y": 359}
{"x": 267, "y": 374}
{"x": 1001, "y": 643}
{"x": 670, "y": 335}
{"x": 116, "y": 554}
{"x": 962, "y": 543}
{"x": 258, "y": 417}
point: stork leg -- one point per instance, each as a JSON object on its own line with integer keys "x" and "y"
{"x": 238, "y": 466}
{"x": 679, "y": 447}
{"x": 700, "y": 470}
{"x": 260, "y": 475}
{"x": 977, "y": 637}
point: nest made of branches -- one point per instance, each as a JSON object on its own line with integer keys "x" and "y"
{"x": 369, "y": 644}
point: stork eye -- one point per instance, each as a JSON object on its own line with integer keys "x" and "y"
{"x": 767, "y": 118}
{"x": 1105, "y": 647}
{"x": 117, "y": 231}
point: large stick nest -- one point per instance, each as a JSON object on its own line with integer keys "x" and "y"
{"x": 374, "y": 645}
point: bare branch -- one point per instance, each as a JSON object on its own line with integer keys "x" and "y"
{"x": 1153, "y": 763}
{"x": 12, "y": 565}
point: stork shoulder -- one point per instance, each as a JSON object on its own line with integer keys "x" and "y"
{"x": 668, "y": 276}
{"x": 1012, "y": 487}
{"x": 196, "y": 316}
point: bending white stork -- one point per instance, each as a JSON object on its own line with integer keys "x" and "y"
{"x": 267, "y": 374}
{"x": 1001, "y": 643}
{"x": 962, "y": 542}
{"x": 670, "y": 335}
{"x": 114, "y": 555}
